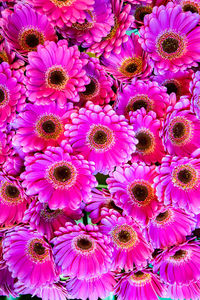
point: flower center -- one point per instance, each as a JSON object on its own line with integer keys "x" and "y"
{"x": 138, "y": 102}
{"x": 4, "y": 96}
{"x": 179, "y": 254}
{"x": 61, "y": 3}
{"x": 140, "y": 278}
{"x": 37, "y": 251}
{"x": 162, "y": 216}
{"x": 49, "y": 127}
{"x": 88, "y": 23}
{"x": 180, "y": 131}
{"x": 170, "y": 45}
{"x": 12, "y": 191}
{"x": 141, "y": 192}
{"x": 56, "y": 78}
{"x": 124, "y": 236}
{"x": 29, "y": 39}
{"x": 184, "y": 176}
{"x": 10, "y": 194}
{"x": 145, "y": 141}
{"x": 131, "y": 66}
{"x": 100, "y": 138}
{"x": 141, "y": 12}
{"x": 62, "y": 173}
{"x": 92, "y": 89}
{"x": 172, "y": 87}
{"x": 3, "y": 57}
{"x": 84, "y": 244}
{"x": 190, "y": 7}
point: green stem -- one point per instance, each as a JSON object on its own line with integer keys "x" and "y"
{"x": 102, "y": 186}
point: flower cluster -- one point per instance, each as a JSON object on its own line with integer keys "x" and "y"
{"x": 100, "y": 149}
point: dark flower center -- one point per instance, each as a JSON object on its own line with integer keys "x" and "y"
{"x": 144, "y": 141}
{"x": 131, "y": 68}
{"x": 184, "y": 176}
{"x": 39, "y": 249}
{"x": 179, "y": 254}
{"x": 84, "y": 244}
{"x": 138, "y": 274}
{"x": 171, "y": 88}
{"x": 57, "y": 77}
{"x": 2, "y": 96}
{"x": 189, "y": 7}
{"x": 162, "y": 216}
{"x": 90, "y": 88}
{"x": 124, "y": 236}
{"x": 32, "y": 40}
{"x": 12, "y": 191}
{"x": 141, "y": 12}
{"x": 139, "y": 104}
{"x": 1, "y": 60}
{"x": 100, "y": 137}
{"x": 170, "y": 45}
{"x": 140, "y": 192}
{"x": 178, "y": 130}
{"x": 62, "y": 173}
{"x": 49, "y": 126}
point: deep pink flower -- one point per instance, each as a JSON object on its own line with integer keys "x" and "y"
{"x": 132, "y": 187}
{"x": 7, "y": 283}
{"x": 10, "y": 56}
{"x": 130, "y": 248}
{"x": 29, "y": 257}
{"x": 184, "y": 291}
{"x": 55, "y": 72}
{"x": 170, "y": 37}
{"x": 170, "y": 226}
{"x": 25, "y": 29}
{"x": 147, "y": 131}
{"x": 59, "y": 178}
{"x": 143, "y": 94}
{"x": 101, "y": 136}
{"x": 189, "y": 5}
{"x": 82, "y": 251}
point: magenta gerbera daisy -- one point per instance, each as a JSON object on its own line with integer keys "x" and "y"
{"x": 55, "y": 72}
{"x": 127, "y": 241}
{"x": 170, "y": 226}
{"x": 181, "y": 129}
{"x": 12, "y": 93}
{"x": 170, "y": 37}
{"x": 189, "y": 5}
{"x": 179, "y": 264}
{"x": 60, "y": 179}
{"x": 29, "y": 257}
{"x": 147, "y": 131}
{"x": 137, "y": 285}
{"x": 93, "y": 288}
{"x": 81, "y": 250}
{"x": 140, "y": 94}
{"x": 132, "y": 187}
{"x": 63, "y": 12}
{"x": 40, "y": 126}
{"x": 131, "y": 62}
{"x": 177, "y": 182}
{"x": 101, "y": 136}
{"x": 25, "y": 29}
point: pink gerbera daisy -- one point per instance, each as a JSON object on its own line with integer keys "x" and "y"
{"x": 140, "y": 94}
{"x": 117, "y": 34}
{"x": 60, "y": 179}
{"x": 170, "y": 37}
{"x": 179, "y": 264}
{"x": 129, "y": 63}
{"x": 189, "y": 5}
{"x": 147, "y": 131}
{"x": 55, "y": 72}
{"x": 170, "y": 226}
{"x": 101, "y": 136}
{"x": 137, "y": 285}
{"x": 93, "y": 288}
{"x": 65, "y": 12}
{"x": 12, "y": 93}
{"x": 40, "y": 126}
{"x": 181, "y": 129}
{"x": 127, "y": 241}
{"x": 81, "y": 250}
{"x": 132, "y": 187}
{"x": 29, "y": 257}
{"x": 25, "y": 29}
{"x": 13, "y": 201}
{"x": 177, "y": 182}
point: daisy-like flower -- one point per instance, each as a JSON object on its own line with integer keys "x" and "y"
{"x": 101, "y": 136}
{"x": 140, "y": 94}
{"x": 137, "y": 285}
{"x": 170, "y": 37}
{"x": 131, "y": 62}
{"x": 132, "y": 187}
{"x": 81, "y": 250}
{"x": 181, "y": 129}
{"x": 12, "y": 93}
{"x": 99, "y": 90}
{"x": 93, "y": 288}
{"x": 178, "y": 180}
{"x": 45, "y": 220}
{"x": 127, "y": 242}
{"x": 63, "y": 12}
{"x": 60, "y": 179}
{"x": 25, "y": 29}
{"x": 179, "y": 264}
{"x": 184, "y": 291}
{"x": 189, "y": 5}
{"x": 147, "y": 131}
{"x": 40, "y": 126}
{"x": 55, "y": 72}
{"x": 117, "y": 35}
{"x": 29, "y": 257}
{"x": 13, "y": 201}
{"x": 170, "y": 226}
